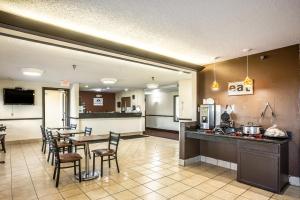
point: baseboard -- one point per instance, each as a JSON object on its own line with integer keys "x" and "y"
{"x": 23, "y": 141}
{"x": 160, "y": 129}
{"x": 294, "y": 180}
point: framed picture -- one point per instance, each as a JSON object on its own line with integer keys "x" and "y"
{"x": 238, "y": 88}
{"x": 98, "y": 101}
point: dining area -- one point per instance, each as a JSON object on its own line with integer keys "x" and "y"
{"x": 62, "y": 146}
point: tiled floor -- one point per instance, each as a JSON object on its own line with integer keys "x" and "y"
{"x": 149, "y": 170}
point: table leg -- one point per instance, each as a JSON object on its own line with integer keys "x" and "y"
{"x": 87, "y": 174}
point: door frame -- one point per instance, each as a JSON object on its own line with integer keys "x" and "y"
{"x": 67, "y": 99}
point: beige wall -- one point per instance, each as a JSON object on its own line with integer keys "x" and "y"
{"x": 161, "y": 103}
{"x": 22, "y": 129}
{"x": 138, "y": 101}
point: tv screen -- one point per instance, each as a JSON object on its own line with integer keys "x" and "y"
{"x": 18, "y": 97}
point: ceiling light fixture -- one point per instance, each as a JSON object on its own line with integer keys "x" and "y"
{"x": 86, "y": 86}
{"x": 248, "y": 81}
{"x": 109, "y": 81}
{"x": 126, "y": 89}
{"x": 98, "y": 89}
{"x": 215, "y": 85}
{"x": 152, "y": 85}
{"x": 32, "y": 71}
{"x": 107, "y": 88}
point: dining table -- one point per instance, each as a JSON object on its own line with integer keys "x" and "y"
{"x": 87, "y": 174}
{"x": 69, "y": 132}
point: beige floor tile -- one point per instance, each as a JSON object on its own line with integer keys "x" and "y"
{"x": 154, "y": 185}
{"x": 195, "y": 194}
{"x": 78, "y": 197}
{"x": 234, "y": 189}
{"x": 97, "y": 194}
{"x": 107, "y": 198}
{"x": 72, "y": 192}
{"x": 181, "y": 197}
{"x": 51, "y": 197}
{"x": 128, "y": 184}
{"x": 140, "y": 190}
{"x": 153, "y": 196}
{"x": 205, "y": 187}
{"x": 166, "y": 181}
{"x": 223, "y": 194}
{"x": 254, "y": 196}
{"x": 211, "y": 197}
{"x": 125, "y": 195}
{"x": 142, "y": 179}
{"x": 153, "y": 173}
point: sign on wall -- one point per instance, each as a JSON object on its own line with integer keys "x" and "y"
{"x": 238, "y": 88}
{"x": 98, "y": 101}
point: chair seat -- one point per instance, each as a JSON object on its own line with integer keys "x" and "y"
{"x": 104, "y": 152}
{"x": 69, "y": 157}
{"x": 63, "y": 144}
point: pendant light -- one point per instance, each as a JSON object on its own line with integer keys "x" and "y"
{"x": 152, "y": 85}
{"x": 248, "y": 81}
{"x": 215, "y": 85}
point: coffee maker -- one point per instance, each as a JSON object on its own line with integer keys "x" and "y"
{"x": 209, "y": 116}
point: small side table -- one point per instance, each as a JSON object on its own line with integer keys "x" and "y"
{"x": 2, "y": 140}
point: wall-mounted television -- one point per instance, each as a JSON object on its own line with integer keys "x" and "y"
{"x": 18, "y": 96}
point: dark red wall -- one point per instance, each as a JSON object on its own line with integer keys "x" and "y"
{"x": 109, "y": 101}
{"x": 276, "y": 80}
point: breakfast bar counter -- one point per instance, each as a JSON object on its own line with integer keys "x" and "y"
{"x": 261, "y": 162}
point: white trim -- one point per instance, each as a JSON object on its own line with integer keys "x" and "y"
{"x": 294, "y": 180}
{"x": 189, "y": 161}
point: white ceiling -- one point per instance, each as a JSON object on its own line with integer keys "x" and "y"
{"x": 191, "y": 30}
{"x": 57, "y": 62}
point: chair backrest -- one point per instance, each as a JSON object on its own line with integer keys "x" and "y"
{"x": 87, "y": 131}
{"x": 56, "y": 149}
{"x": 49, "y": 135}
{"x": 43, "y": 131}
{"x": 114, "y": 139}
{"x": 73, "y": 126}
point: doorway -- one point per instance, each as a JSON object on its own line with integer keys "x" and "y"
{"x": 56, "y": 105}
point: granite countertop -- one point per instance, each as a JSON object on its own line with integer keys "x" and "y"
{"x": 197, "y": 133}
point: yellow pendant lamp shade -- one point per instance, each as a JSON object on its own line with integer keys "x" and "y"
{"x": 248, "y": 81}
{"x": 215, "y": 85}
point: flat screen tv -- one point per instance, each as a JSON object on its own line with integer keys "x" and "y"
{"x": 18, "y": 97}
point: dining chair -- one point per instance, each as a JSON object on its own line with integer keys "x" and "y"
{"x": 62, "y": 146}
{"x": 111, "y": 152}
{"x": 81, "y": 145}
{"x": 74, "y": 158}
{"x": 45, "y": 140}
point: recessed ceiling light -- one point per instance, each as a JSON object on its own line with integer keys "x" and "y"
{"x": 32, "y": 71}
{"x": 109, "y": 81}
{"x": 98, "y": 89}
{"x": 86, "y": 86}
{"x": 126, "y": 89}
{"x": 108, "y": 88}
{"x": 180, "y": 72}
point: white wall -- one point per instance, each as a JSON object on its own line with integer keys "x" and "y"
{"x": 138, "y": 101}
{"x": 161, "y": 103}
{"x": 22, "y": 129}
{"x": 188, "y": 98}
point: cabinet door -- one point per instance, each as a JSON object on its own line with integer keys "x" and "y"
{"x": 259, "y": 169}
